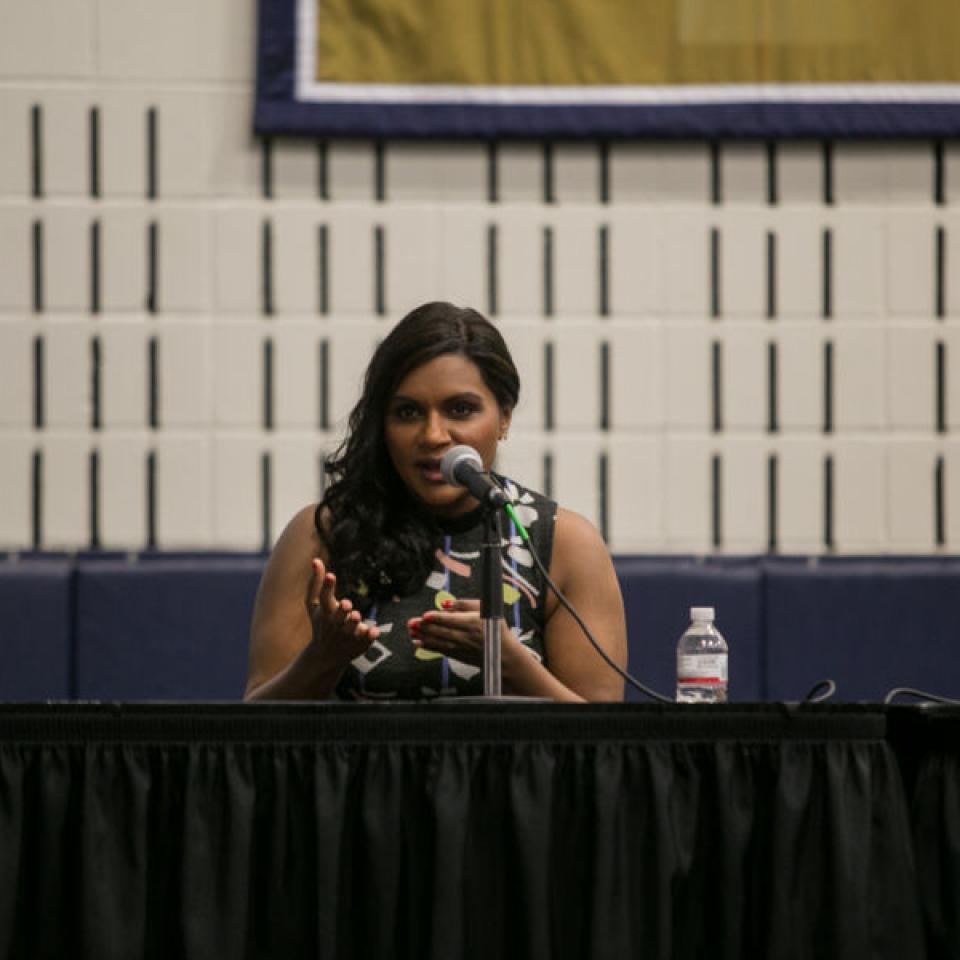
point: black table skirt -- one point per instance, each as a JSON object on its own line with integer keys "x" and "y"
{"x": 435, "y": 831}
{"x": 927, "y": 744}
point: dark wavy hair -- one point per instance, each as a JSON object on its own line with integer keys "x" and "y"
{"x": 378, "y": 536}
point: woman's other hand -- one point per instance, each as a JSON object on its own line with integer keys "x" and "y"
{"x": 456, "y": 631}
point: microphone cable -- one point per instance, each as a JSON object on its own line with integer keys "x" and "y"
{"x": 525, "y": 537}
{"x": 821, "y": 691}
{"x": 919, "y": 695}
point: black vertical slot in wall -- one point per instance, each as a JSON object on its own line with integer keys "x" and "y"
{"x": 771, "y": 274}
{"x": 323, "y": 170}
{"x": 153, "y": 188}
{"x": 939, "y": 179}
{"x": 773, "y": 388}
{"x": 151, "y": 497}
{"x": 323, "y": 269}
{"x": 493, "y": 172}
{"x": 380, "y": 171}
{"x": 939, "y": 504}
{"x": 940, "y": 278}
{"x": 605, "y": 385}
{"x": 96, "y": 383}
{"x": 773, "y": 503}
{"x": 603, "y": 496}
{"x": 96, "y": 264}
{"x": 493, "y": 275}
{"x": 773, "y": 185}
{"x": 940, "y": 367}
{"x": 827, "y": 154}
{"x": 716, "y": 500}
{"x": 548, "y": 385}
{"x": 548, "y": 475}
{"x": 37, "y": 266}
{"x": 94, "y": 135}
{"x": 324, "y": 384}
{"x": 603, "y": 270}
{"x": 94, "y": 507}
{"x": 36, "y": 494}
{"x": 828, "y": 505}
{"x": 266, "y": 168}
{"x": 266, "y": 268}
{"x": 153, "y": 383}
{"x": 266, "y": 494}
{"x": 828, "y": 386}
{"x": 36, "y": 150}
{"x": 39, "y": 383}
{"x": 548, "y": 271}
{"x": 153, "y": 267}
{"x": 827, "y": 267}
{"x": 268, "y": 383}
{"x": 716, "y": 385}
{"x": 715, "y": 308}
{"x": 716, "y": 181}
{"x": 379, "y": 269}
{"x": 603, "y": 155}
{"x": 549, "y": 186}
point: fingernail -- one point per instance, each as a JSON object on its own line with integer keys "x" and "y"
{"x": 427, "y": 616}
{"x": 447, "y": 604}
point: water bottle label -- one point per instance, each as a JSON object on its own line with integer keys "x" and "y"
{"x": 702, "y": 668}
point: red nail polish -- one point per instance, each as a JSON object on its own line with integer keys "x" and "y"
{"x": 447, "y": 604}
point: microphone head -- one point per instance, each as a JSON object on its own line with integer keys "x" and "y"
{"x": 453, "y": 459}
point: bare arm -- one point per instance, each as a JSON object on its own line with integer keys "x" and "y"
{"x": 301, "y": 636}
{"x": 581, "y": 567}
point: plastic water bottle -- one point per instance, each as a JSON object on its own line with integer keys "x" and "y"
{"x": 701, "y": 661}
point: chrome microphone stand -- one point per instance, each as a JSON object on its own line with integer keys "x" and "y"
{"x": 491, "y": 602}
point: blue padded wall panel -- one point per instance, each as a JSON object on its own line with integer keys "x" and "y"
{"x": 36, "y": 661}
{"x": 167, "y": 629}
{"x": 658, "y": 594}
{"x": 868, "y": 625}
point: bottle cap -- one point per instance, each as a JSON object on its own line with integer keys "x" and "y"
{"x": 701, "y": 614}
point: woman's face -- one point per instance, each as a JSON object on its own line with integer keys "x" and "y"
{"x": 438, "y": 405}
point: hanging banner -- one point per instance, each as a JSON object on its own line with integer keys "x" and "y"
{"x": 609, "y": 68}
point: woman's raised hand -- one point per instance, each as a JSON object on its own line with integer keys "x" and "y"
{"x": 338, "y": 630}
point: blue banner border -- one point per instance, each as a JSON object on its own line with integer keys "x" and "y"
{"x": 278, "y": 112}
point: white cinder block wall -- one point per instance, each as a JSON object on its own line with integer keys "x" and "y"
{"x": 726, "y": 348}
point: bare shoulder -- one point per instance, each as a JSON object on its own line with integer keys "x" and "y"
{"x": 301, "y": 532}
{"x": 580, "y": 557}
{"x": 575, "y": 540}
{"x": 296, "y": 546}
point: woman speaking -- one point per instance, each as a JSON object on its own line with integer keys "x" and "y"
{"x": 373, "y": 593}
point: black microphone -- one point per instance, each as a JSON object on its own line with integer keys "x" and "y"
{"x": 461, "y": 466}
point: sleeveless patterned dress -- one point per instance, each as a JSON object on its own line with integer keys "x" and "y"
{"x": 392, "y": 668}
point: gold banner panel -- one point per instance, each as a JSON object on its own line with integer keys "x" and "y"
{"x": 637, "y": 42}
